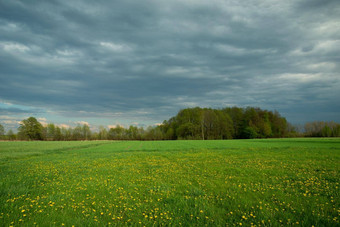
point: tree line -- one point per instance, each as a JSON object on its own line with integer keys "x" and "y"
{"x": 227, "y": 123}
{"x": 190, "y": 123}
{"x": 322, "y": 129}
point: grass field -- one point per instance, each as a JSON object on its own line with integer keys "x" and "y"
{"x": 216, "y": 183}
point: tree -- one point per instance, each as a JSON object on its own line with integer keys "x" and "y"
{"x": 210, "y": 123}
{"x": 170, "y": 134}
{"x": 326, "y": 131}
{"x": 336, "y": 130}
{"x": 322, "y": 129}
{"x": 225, "y": 129}
{"x": 31, "y": 129}
{"x": 186, "y": 131}
{"x": 153, "y": 133}
{"x": 132, "y": 133}
{"x": 77, "y": 133}
{"x": 249, "y": 133}
{"x": 11, "y": 135}
{"x": 50, "y": 134}
{"x": 57, "y": 134}
{"x": 278, "y": 124}
{"x": 66, "y": 133}
{"x": 236, "y": 115}
{"x": 86, "y": 132}
{"x": 265, "y": 129}
{"x": 116, "y": 133}
{"x": 2, "y": 131}
{"x": 102, "y": 135}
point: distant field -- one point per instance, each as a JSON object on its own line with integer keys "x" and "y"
{"x": 216, "y": 183}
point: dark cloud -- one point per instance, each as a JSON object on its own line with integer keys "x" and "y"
{"x": 9, "y": 111}
{"x": 145, "y": 60}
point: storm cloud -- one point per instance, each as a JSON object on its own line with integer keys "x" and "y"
{"x": 142, "y": 61}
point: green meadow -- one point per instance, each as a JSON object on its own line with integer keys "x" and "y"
{"x": 269, "y": 182}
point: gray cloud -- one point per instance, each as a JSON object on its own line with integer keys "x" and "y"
{"x": 145, "y": 60}
{"x": 9, "y": 111}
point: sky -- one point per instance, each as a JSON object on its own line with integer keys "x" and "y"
{"x": 139, "y": 62}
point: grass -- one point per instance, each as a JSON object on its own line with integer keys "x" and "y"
{"x": 216, "y": 183}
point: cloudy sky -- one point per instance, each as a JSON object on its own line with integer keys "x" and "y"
{"x": 140, "y": 62}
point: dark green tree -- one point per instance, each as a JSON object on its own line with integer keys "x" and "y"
{"x": 31, "y": 129}
{"x": 326, "y": 131}
{"x": 224, "y": 128}
{"x": 186, "y": 131}
{"x": 249, "y": 133}
{"x": 236, "y": 115}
